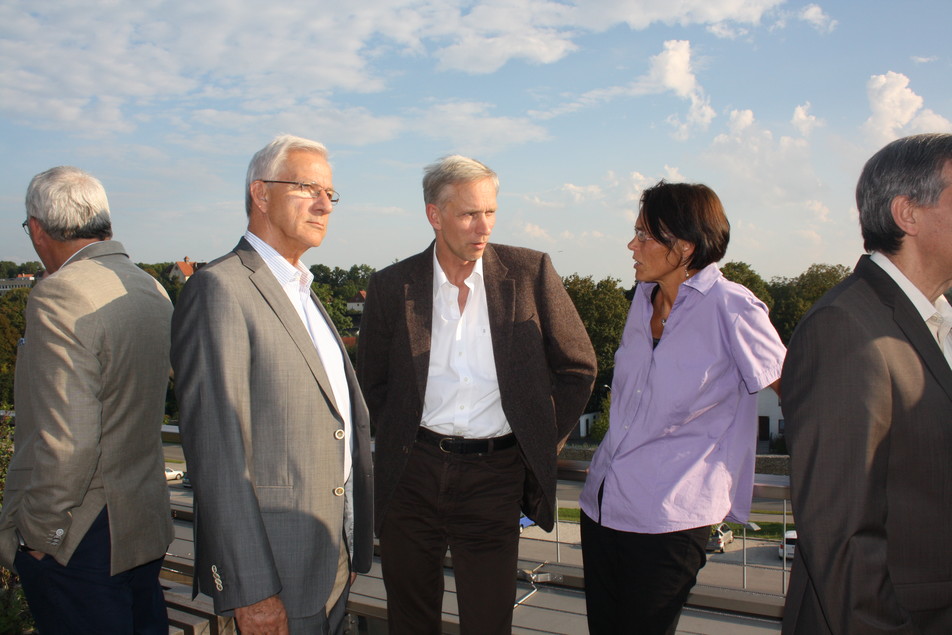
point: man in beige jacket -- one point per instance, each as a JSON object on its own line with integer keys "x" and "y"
{"x": 85, "y": 519}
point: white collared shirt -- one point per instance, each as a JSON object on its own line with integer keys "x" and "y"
{"x": 462, "y": 391}
{"x": 296, "y": 282}
{"x": 937, "y": 316}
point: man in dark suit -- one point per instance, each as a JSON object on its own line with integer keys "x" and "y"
{"x": 86, "y": 518}
{"x": 476, "y": 367}
{"x": 275, "y": 431}
{"x": 867, "y": 388}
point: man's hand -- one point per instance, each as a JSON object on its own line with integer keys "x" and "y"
{"x": 266, "y": 617}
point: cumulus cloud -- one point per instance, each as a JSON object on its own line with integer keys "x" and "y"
{"x": 771, "y": 167}
{"x": 814, "y": 15}
{"x": 672, "y": 71}
{"x": 581, "y": 193}
{"x": 897, "y": 110}
{"x": 924, "y": 60}
{"x": 803, "y": 121}
{"x": 819, "y": 210}
{"x": 639, "y": 14}
{"x": 472, "y": 129}
{"x": 535, "y": 231}
{"x": 160, "y": 57}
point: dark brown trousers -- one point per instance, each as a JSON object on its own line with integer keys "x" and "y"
{"x": 469, "y": 503}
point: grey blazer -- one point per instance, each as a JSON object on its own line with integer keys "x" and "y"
{"x": 544, "y": 362}
{"x": 263, "y": 440}
{"x": 92, "y": 371}
{"x": 867, "y": 397}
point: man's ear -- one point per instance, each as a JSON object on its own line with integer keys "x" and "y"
{"x": 433, "y": 215}
{"x": 905, "y": 213}
{"x": 259, "y": 195}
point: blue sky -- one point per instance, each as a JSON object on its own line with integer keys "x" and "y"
{"x": 577, "y": 104}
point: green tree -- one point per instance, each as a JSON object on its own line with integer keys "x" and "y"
{"x": 343, "y": 283}
{"x": 336, "y": 307}
{"x": 603, "y": 308}
{"x": 602, "y": 421}
{"x": 14, "y": 613}
{"x": 13, "y": 306}
{"x": 793, "y": 297}
{"x": 10, "y": 269}
{"x": 741, "y": 273}
{"x": 161, "y": 271}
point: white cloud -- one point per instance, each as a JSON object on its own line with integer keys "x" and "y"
{"x": 535, "y": 231}
{"x": 107, "y": 68}
{"x": 671, "y": 70}
{"x": 771, "y": 168}
{"x": 898, "y": 111}
{"x": 582, "y": 193}
{"x": 821, "y": 212}
{"x": 471, "y": 128}
{"x": 803, "y": 121}
{"x": 640, "y": 14}
{"x": 924, "y": 60}
{"x": 727, "y": 31}
{"x": 814, "y": 15}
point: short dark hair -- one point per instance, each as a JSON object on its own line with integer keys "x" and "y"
{"x": 912, "y": 167}
{"x": 687, "y": 211}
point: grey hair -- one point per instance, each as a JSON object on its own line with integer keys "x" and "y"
{"x": 912, "y": 167}
{"x": 451, "y": 170}
{"x": 69, "y": 204}
{"x": 270, "y": 160}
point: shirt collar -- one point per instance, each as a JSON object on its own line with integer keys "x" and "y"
{"x": 284, "y": 271}
{"x": 439, "y": 276}
{"x": 702, "y": 281}
{"x": 77, "y": 252}
{"x": 919, "y": 300}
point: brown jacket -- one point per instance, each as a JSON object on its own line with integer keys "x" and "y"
{"x": 544, "y": 362}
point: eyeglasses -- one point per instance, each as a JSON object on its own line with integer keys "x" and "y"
{"x": 310, "y": 190}
{"x": 642, "y": 236}
{"x": 26, "y": 227}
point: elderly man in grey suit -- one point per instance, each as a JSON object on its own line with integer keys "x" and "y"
{"x": 274, "y": 428}
{"x": 86, "y": 518}
{"x": 867, "y": 389}
{"x": 476, "y": 367}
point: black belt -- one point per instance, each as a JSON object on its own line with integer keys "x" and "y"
{"x": 460, "y": 445}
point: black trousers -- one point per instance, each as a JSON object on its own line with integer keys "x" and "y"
{"x": 83, "y": 599}
{"x": 471, "y": 504}
{"x": 638, "y": 583}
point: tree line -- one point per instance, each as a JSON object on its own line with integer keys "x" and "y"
{"x": 602, "y": 305}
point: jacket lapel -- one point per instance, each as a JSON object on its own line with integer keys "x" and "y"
{"x": 277, "y": 299}
{"x": 418, "y": 304}
{"x": 501, "y": 300}
{"x": 909, "y": 320}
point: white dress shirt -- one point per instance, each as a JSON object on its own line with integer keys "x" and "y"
{"x": 462, "y": 391}
{"x": 296, "y": 282}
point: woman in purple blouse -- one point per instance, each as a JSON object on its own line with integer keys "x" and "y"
{"x": 679, "y": 454}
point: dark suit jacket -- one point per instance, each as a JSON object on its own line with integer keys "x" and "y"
{"x": 545, "y": 363}
{"x": 260, "y": 432}
{"x": 867, "y": 397}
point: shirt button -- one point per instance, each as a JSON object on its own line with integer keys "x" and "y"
{"x": 338, "y": 491}
{"x": 338, "y": 434}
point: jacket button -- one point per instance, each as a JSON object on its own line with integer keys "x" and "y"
{"x": 338, "y": 434}
{"x": 338, "y": 491}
